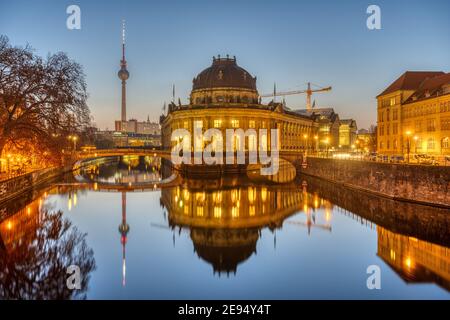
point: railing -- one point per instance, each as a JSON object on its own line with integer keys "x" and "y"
{"x": 413, "y": 159}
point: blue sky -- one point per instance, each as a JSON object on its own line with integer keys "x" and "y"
{"x": 287, "y": 42}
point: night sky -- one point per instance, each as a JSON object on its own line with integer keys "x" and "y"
{"x": 287, "y": 42}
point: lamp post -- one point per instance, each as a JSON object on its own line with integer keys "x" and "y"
{"x": 415, "y": 144}
{"x": 408, "y": 143}
{"x": 316, "y": 138}
{"x": 327, "y": 141}
{"x": 74, "y": 140}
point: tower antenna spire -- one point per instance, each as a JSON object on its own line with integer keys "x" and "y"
{"x": 123, "y": 40}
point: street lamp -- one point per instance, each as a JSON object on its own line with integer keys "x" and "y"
{"x": 408, "y": 143}
{"x": 415, "y": 144}
{"x": 316, "y": 138}
{"x": 74, "y": 140}
{"x": 327, "y": 141}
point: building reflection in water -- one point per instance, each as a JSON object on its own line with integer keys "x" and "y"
{"x": 37, "y": 245}
{"x": 124, "y": 170}
{"x": 225, "y": 222}
{"x": 414, "y": 260}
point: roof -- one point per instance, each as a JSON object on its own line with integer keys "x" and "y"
{"x": 323, "y": 112}
{"x": 347, "y": 121}
{"x": 431, "y": 87}
{"x": 224, "y": 72}
{"x": 410, "y": 80}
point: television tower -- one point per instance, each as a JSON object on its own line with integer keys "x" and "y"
{"x": 123, "y": 75}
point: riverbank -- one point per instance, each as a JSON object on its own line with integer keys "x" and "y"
{"x": 15, "y": 186}
{"x": 428, "y": 185}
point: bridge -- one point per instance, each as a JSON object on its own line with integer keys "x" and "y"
{"x": 101, "y": 153}
{"x": 289, "y": 155}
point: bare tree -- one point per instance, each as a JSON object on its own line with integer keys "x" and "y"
{"x": 41, "y": 100}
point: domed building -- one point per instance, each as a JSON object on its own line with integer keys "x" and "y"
{"x": 225, "y": 96}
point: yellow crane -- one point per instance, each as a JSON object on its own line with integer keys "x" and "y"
{"x": 308, "y": 92}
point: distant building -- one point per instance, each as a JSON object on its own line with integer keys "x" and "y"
{"x": 366, "y": 140}
{"x": 112, "y": 139}
{"x": 134, "y": 126}
{"x": 414, "y": 114}
{"x": 347, "y": 133}
{"x": 328, "y": 121}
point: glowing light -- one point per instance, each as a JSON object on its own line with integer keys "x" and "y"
{"x": 408, "y": 262}
{"x": 9, "y": 225}
{"x": 263, "y": 194}
{"x": 217, "y": 212}
{"x": 235, "y": 212}
{"x": 392, "y": 255}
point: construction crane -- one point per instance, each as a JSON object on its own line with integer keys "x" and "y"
{"x": 308, "y": 92}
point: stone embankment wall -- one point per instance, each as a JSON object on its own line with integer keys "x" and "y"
{"x": 414, "y": 183}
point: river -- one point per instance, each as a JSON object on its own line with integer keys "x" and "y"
{"x": 234, "y": 237}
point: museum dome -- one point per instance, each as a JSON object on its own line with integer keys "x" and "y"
{"x": 224, "y": 73}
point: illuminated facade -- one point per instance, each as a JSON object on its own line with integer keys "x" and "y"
{"x": 347, "y": 133}
{"x": 414, "y": 115}
{"x": 328, "y": 126}
{"x": 224, "y": 96}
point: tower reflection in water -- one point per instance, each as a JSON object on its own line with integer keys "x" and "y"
{"x": 225, "y": 218}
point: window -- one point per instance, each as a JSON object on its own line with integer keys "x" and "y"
{"x": 217, "y": 123}
{"x": 395, "y": 128}
{"x": 388, "y": 113}
{"x": 445, "y": 123}
{"x": 395, "y": 115}
{"x": 186, "y": 125}
{"x": 235, "y": 123}
{"x": 392, "y": 101}
{"x": 381, "y": 116}
{"x": 251, "y": 124}
{"x": 446, "y": 143}
{"x": 388, "y": 129}
{"x": 395, "y": 144}
{"x": 431, "y": 125}
{"x": 381, "y": 145}
{"x": 418, "y": 126}
{"x": 198, "y": 124}
{"x": 387, "y": 144}
{"x": 431, "y": 143}
{"x": 220, "y": 99}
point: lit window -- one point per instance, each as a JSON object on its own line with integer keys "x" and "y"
{"x": 431, "y": 143}
{"x": 217, "y": 123}
{"x": 445, "y": 143}
{"x": 186, "y": 124}
{"x": 251, "y": 124}
{"x": 235, "y": 123}
{"x": 198, "y": 124}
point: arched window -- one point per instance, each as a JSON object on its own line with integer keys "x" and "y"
{"x": 445, "y": 143}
